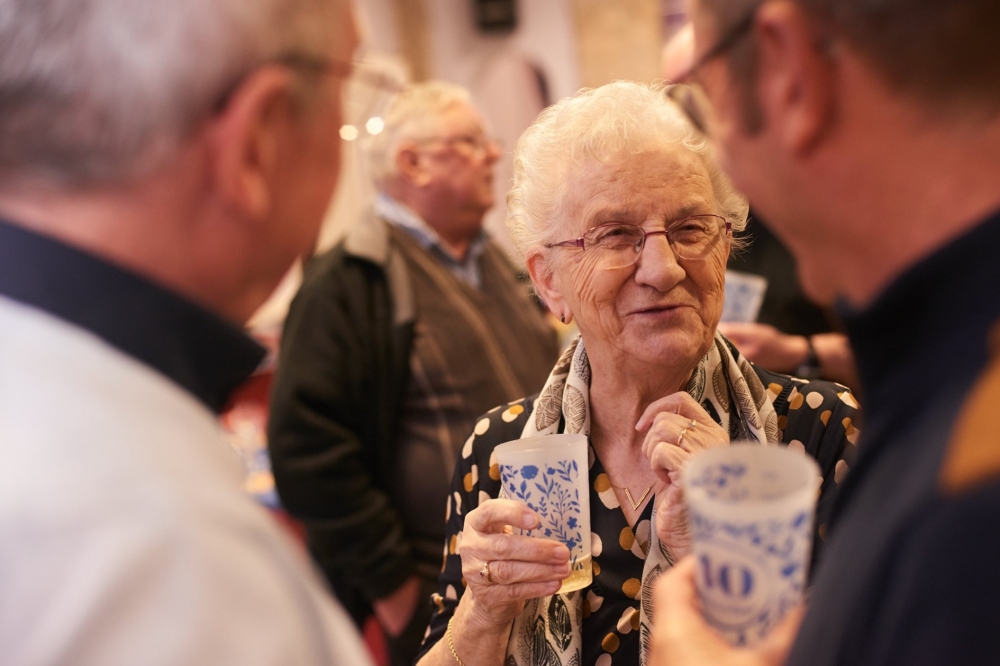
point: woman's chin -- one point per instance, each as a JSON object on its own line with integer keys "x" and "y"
{"x": 670, "y": 351}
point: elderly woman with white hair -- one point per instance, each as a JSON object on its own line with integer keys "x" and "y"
{"x": 625, "y": 222}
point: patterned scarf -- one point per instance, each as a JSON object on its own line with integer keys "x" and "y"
{"x": 549, "y": 630}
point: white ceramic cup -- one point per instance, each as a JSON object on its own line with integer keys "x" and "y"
{"x": 750, "y": 509}
{"x": 549, "y": 474}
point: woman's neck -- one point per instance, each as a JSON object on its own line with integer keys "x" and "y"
{"x": 621, "y": 388}
{"x": 620, "y": 393}
{"x": 617, "y": 400}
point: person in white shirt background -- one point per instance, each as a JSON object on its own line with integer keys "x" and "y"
{"x": 161, "y": 166}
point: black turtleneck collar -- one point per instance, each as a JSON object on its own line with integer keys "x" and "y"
{"x": 204, "y": 354}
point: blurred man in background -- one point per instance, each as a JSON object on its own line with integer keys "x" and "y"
{"x": 879, "y": 124}
{"x": 161, "y": 166}
{"x": 399, "y": 338}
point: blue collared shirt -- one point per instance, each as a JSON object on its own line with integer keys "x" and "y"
{"x": 397, "y": 214}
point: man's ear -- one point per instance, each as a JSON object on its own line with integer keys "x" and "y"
{"x": 796, "y": 75}
{"x": 410, "y": 164}
{"x": 247, "y": 136}
{"x": 544, "y": 280}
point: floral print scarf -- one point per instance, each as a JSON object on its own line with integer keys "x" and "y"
{"x": 549, "y": 630}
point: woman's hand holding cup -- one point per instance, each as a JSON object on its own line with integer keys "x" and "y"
{"x": 677, "y": 427}
{"x": 516, "y": 568}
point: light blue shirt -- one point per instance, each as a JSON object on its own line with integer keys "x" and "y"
{"x": 401, "y": 216}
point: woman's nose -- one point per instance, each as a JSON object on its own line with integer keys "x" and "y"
{"x": 657, "y": 265}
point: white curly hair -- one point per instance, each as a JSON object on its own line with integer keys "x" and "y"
{"x": 619, "y": 118}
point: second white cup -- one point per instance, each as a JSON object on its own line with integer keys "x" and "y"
{"x": 751, "y": 510}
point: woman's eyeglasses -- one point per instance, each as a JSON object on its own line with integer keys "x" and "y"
{"x": 617, "y": 245}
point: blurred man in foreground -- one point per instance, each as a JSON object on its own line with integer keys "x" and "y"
{"x": 398, "y": 340}
{"x": 879, "y": 123}
{"x": 791, "y": 335}
{"x": 161, "y": 165}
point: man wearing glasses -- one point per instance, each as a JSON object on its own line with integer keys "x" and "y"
{"x": 868, "y": 134}
{"x": 162, "y": 166}
{"x": 399, "y": 338}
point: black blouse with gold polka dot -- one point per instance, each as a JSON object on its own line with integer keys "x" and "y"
{"x": 611, "y": 603}
{"x": 817, "y": 416}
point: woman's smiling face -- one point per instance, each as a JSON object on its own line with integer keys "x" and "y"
{"x": 661, "y": 309}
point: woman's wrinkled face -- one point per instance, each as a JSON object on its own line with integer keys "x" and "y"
{"x": 661, "y": 309}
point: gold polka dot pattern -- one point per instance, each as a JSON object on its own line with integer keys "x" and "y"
{"x": 631, "y": 588}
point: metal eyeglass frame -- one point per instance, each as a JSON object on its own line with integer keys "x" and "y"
{"x": 581, "y": 242}
{"x": 481, "y": 145}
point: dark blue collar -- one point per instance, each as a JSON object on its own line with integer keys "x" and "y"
{"x": 204, "y": 354}
{"x": 932, "y": 321}
{"x": 920, "y": 346}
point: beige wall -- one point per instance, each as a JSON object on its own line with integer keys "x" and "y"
{"x": 618, "y": 39}
{"x": 412, "y": 28}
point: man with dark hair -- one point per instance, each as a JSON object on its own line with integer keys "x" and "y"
{"x": 868, "y": 134}
{"x": 161, "y": 166}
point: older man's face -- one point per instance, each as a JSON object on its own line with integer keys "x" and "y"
{"x": 460, "y": 163}
{"x": 661, "y": 308}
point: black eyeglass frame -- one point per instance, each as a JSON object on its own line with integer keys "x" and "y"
{"x": 724, "y": 43}
{"x": 688, "y": 96}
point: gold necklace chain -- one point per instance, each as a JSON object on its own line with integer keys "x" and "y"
{"x": 635, "y": 503}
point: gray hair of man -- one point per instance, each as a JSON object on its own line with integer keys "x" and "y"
{"x": 413, "y": 115}
{"x": 599, "y": 124}
{"x": 102, "y": 91}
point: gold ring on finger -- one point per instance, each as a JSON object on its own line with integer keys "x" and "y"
{"x": 484, "y": 573}
{"x": 680, "y": 437}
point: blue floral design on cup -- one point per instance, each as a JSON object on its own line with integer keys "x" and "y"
{"x": 552, "y": 493}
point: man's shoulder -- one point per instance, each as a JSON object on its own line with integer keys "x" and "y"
{"x": 941, "y": 601}
{"x": 72, "y": 397}
{"x": 111, "y": 472}
{"x": 339, "y": 263}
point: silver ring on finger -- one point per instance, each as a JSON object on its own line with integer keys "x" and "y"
{"x": 692, "y": 425}
{"x": 484, "y": 573}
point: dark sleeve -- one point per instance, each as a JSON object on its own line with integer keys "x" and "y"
{"x": 941, "y": 603}
{"x": 476, "y": 479}
{"x": 327, "y": 405}
{"x": 821, "y": 417}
